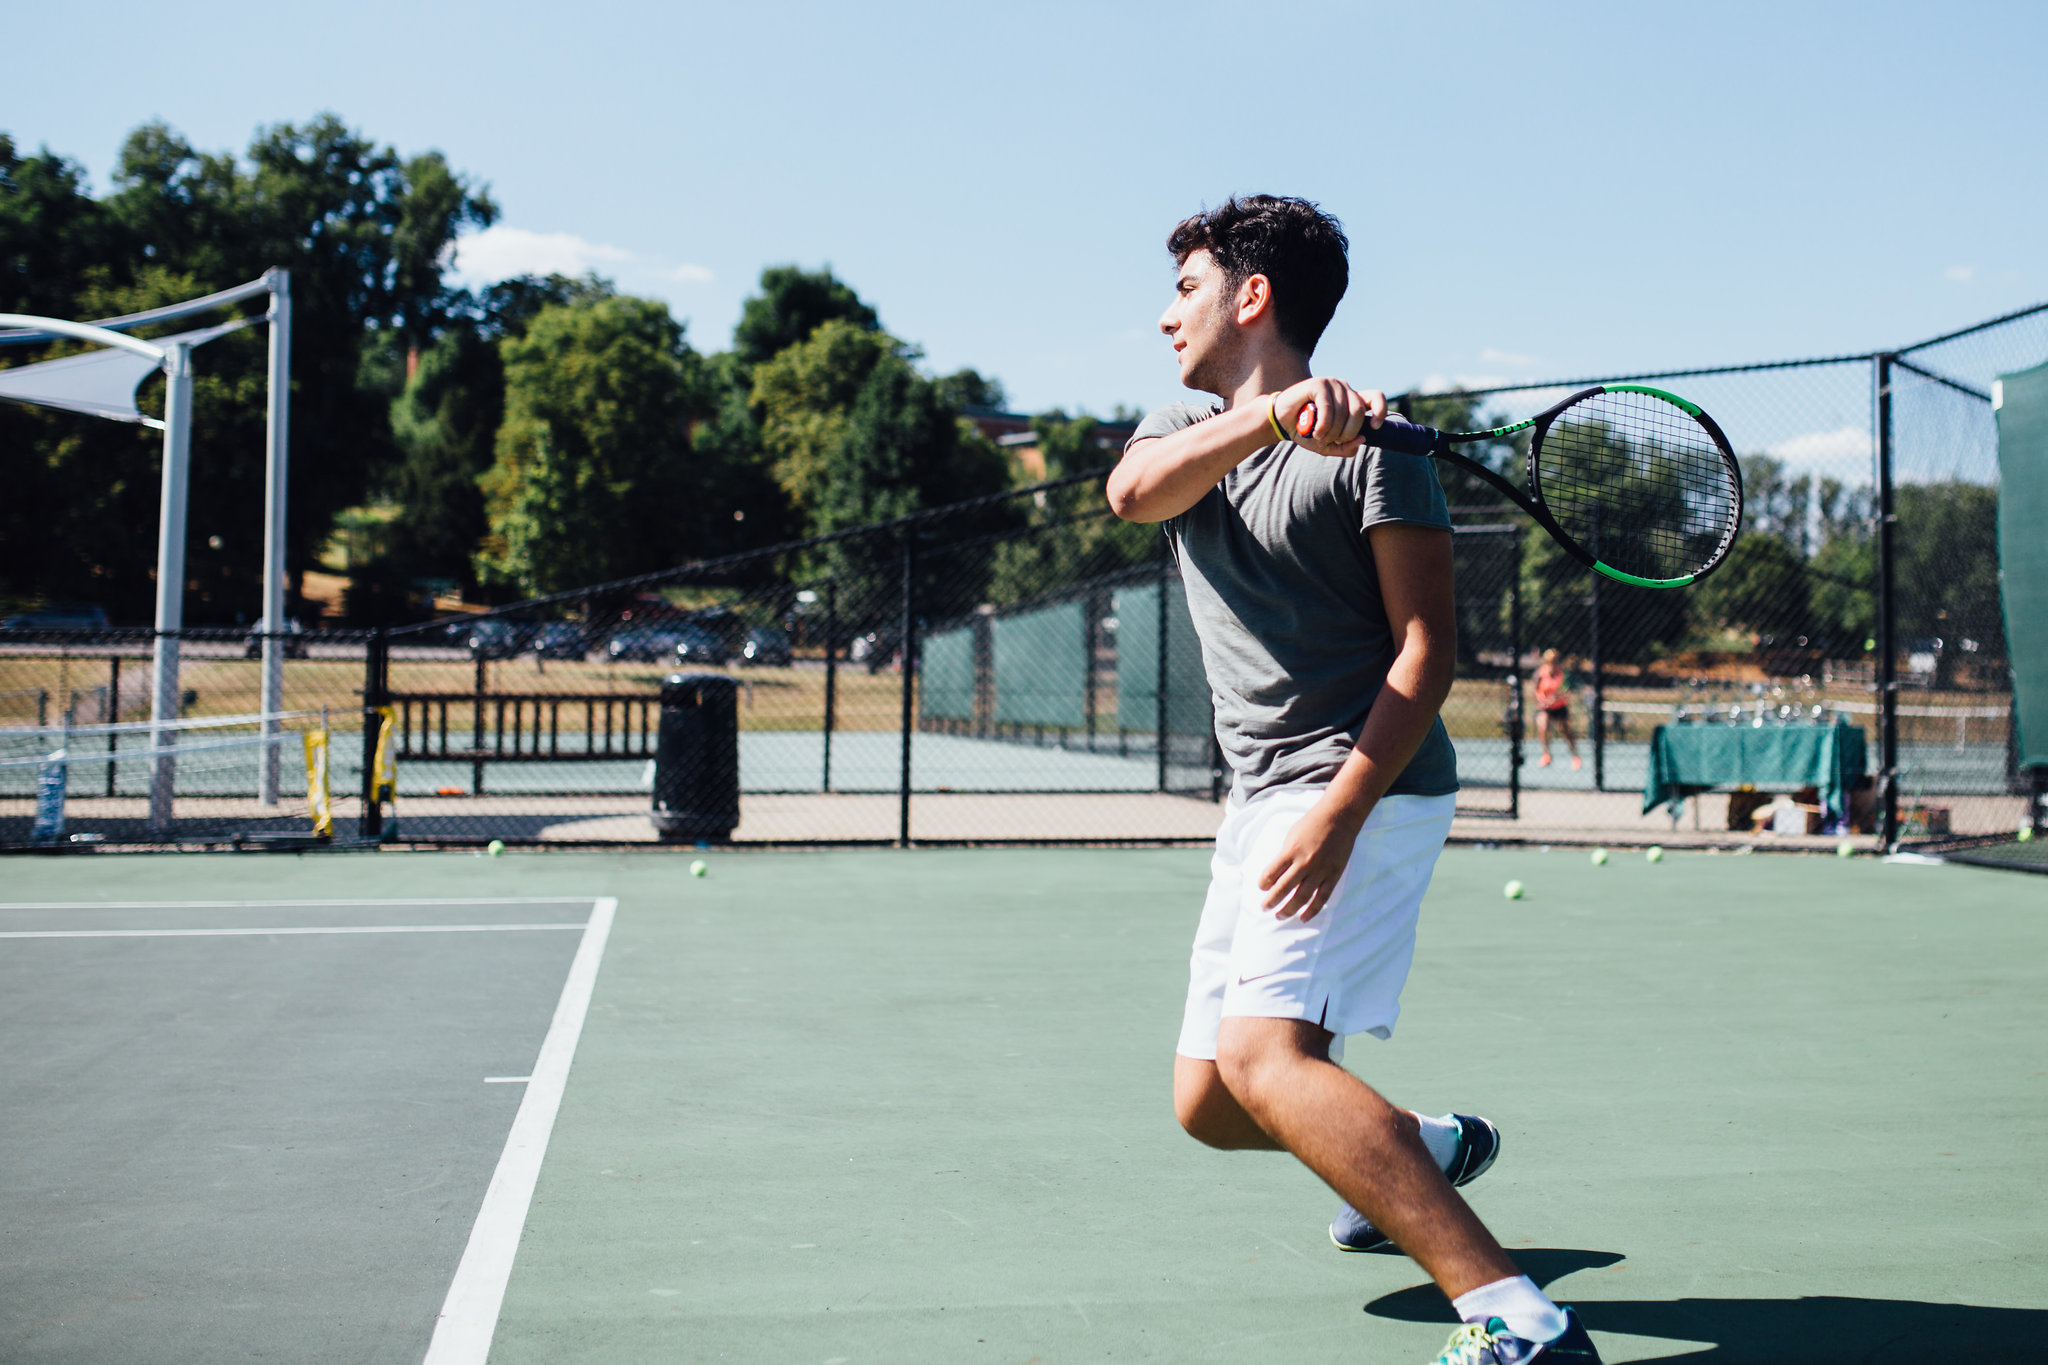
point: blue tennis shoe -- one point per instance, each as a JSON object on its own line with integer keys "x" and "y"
{"x": 1478, "y": 1145}
{"x": 1494, "y": 1344}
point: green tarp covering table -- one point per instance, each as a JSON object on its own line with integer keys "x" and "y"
{"x": 1689, "y": 758}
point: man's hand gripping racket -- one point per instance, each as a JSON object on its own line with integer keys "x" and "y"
{"x": 1634, "y": 482}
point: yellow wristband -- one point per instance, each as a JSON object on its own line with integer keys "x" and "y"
{"x": 1273, "y": 417}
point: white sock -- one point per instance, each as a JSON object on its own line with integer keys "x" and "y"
{"x": 1441, "y": 1137}
{"x": 1516, "y": 1302}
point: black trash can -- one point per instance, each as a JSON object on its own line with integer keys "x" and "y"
{"x": 697, "y": 759}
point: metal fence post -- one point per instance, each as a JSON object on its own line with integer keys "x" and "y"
{"x": 1599, "y": 695}
{"x": 1159, "y": 700}
{"x": 1515, "y": 680}
{"x": 831, "y": 675}
{"x": 476, "y": 742}
{"x": 909, "y": 647}
{"x": 1887, "y": 622}
{"x": 112, "y": 714}
{"x": 376, "y": 675}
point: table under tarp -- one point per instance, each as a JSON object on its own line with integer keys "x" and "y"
{"x": 1685, "y": 759}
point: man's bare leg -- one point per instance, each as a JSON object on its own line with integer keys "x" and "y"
{"x": 1367, "y": 1150}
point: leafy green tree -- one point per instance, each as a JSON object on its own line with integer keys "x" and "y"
{"x": 970, "y": 391}
{"x": 792, "y": 304}
{"x": 805, "y": 396}
{"x": 1763, "y": 589}
{"x": 591, "y": 465}
{"x": 1844, "y": 569}
{"x": 1078, "y": 539}
{"x": 1946, "y": 575}
{"x": 446, "y": 426}
{"x": 363, "y": 232}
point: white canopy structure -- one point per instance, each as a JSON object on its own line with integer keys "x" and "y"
{"x": 103, "y": 383}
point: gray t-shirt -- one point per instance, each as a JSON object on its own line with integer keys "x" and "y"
{"x": 1286, "y": 601}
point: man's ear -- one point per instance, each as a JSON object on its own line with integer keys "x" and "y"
{"x": 1254, "y": 300}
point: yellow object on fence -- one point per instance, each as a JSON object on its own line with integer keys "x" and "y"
{"x": 385, "y": 765}
{"x": 319, "y": 800}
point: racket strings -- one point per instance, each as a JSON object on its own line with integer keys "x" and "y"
{"x": 1639, "y": 483}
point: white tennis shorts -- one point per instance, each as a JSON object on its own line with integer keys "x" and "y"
{"x": 1344, "y": 969}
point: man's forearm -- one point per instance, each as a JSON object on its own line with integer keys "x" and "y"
{"x": 1165, "y": 476}
{"x": 1400, "y": 720}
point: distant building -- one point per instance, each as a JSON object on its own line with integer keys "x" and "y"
{"x": 1013, "y": 433}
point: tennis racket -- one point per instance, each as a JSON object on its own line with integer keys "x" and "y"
{"x": 1633, "y": 482}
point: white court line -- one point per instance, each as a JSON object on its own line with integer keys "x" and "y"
{"x": 469, "y": 1315}
{"x": 248, "y": 905}
{"x": 296, "y": 929}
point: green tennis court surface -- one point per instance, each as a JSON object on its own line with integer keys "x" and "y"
{"x": 912, "y": 1107}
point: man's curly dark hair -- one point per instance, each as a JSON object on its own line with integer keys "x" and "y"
{"x": 1293, "y": 243}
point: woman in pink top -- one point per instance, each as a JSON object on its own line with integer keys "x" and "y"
{"x": 1553, "y": 707}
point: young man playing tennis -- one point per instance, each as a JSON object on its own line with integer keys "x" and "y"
{"x": 1318, "y": 573}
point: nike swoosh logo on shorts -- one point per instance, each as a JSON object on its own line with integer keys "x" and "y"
{"x": 1258, "y": 976}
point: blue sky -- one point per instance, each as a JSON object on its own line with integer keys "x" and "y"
{"x": 1532, "y": 191}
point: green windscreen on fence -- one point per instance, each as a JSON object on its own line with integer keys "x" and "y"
{"x": 1137, "y": 663}
{"x": 1041, "y": 666}
{"x": 945, "y": 687}
{"x": 2022, "y": 404}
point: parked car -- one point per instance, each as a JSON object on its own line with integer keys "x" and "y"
{"x": 878, "y": 649}
{"x": 644, "y": 643}
{"x": 60, "y": 616}
{"x": 560, "y": 640}
{"x": 699, "y": 645}
{"x": 497, "y": 637}
{"x": 767, "y": 646}
{"x": 294, "y": 641}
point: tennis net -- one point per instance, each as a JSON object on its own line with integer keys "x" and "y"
{"x": 225, "y": 777}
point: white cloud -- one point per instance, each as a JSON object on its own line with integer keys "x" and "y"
{"x": 500, "y": 252}
{"x": 1844, "y": 451}
{"x": 1491, "y": 356}
{"x": 1444, "y": 383}
{"x": 1960, "y": 274}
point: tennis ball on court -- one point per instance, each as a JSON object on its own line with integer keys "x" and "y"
{"x": 1599, "y": 857}
{"x": 1655, "y": 854}
{"x": 1845, "y": 849}
{"x": 699, "y": 868}
{"x": 495, "y": 847}
{"x": 2025, "y": 834}
{"x": 1513, "y": 891}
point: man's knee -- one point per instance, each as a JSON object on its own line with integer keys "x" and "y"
{"x": 1201, "y": 1104}
{"x": 1252, "y": 1054}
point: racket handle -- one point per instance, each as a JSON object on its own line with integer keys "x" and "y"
{"x": 1405, "y": 437}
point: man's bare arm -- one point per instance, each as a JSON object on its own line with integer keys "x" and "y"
{"x": 1414, "y": 567}
{"x": 1162, "y": 477}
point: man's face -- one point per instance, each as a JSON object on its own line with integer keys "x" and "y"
{"x": 1202, "y": 322}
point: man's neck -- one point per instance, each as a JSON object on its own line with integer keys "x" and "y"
{"x": 1268, "y": 374}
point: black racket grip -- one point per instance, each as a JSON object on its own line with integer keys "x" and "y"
{"x": 1406, "y": 438}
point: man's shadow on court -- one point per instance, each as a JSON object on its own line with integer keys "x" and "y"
{"x": 1813, "y": 1331}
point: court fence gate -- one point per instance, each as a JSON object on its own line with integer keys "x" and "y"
{"x": 1022, "y": 668}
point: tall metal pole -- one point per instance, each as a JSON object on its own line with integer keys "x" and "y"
{"x": 1515, "y": 679}
{"x": 376, "y": 684}
{"x": 170, "y": 579}
{"x": 831, "y": 675}
{"x": 276, "y": 479}
{"x": 1599, "y": 721}
{"x": 909, "y": 636}
{"x": 1159, "y": 698}
{"x": 1887, "y": 620}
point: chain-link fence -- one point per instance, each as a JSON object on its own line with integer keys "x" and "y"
{"x": 1023, "y": 668}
